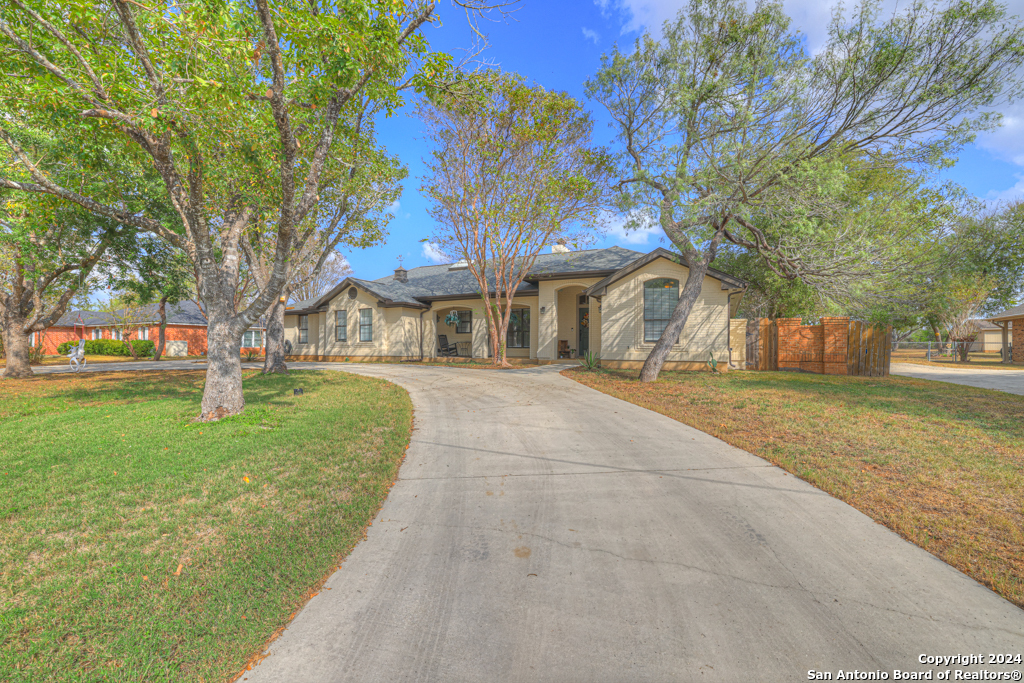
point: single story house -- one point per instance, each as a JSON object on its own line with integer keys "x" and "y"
{"x": 1011, "y": 324}
{"x": 185, "y": 333}
{"x": 612, "y": 302}
{"x": 990, "y": 337}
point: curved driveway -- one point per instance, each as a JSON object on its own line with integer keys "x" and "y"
{"x": 543, "y": 531}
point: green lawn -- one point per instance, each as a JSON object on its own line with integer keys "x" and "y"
{"x": 941, "y": 464}
{"x": 138, "y": 545}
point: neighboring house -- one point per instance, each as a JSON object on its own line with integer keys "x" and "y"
{"x": 614, "y": 302}
{"x": 185, "y": 333}
{"x": 1011, "y": 332}
{"x": 990, "y": 337}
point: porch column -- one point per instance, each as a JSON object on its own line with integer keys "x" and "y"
{"x": 1005, "y": 353}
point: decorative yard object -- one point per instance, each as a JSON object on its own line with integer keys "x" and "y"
{"x": 297, "y": 392}
{"x": 77, "y": 357}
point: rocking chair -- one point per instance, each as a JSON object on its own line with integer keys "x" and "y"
{"x": 76, "y": 358}
{"x": 446, "y": 349}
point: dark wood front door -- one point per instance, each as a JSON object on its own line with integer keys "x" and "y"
{"x": 584, "y": 328}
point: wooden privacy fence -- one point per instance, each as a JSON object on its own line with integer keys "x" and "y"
{"x": 836, "y": 346}
{"x": 762, "y": 345}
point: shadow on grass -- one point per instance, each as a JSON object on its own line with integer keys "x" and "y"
{"x": 982, "y": 409}
{"x": 48, "y": 394}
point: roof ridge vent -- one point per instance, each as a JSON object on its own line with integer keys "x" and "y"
{"x": 461, "y": 264}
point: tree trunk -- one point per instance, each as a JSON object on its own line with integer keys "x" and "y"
{"x": 162, "y": 335}
{"x": 17, "y": 347}
{"x": 274, "y": 353}
{"x": 131, "y": 347}
{"x": 222, "y": 395}
{"x": 691, "y": 290}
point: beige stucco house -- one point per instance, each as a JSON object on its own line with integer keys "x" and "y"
{"x": 613, "y": 302}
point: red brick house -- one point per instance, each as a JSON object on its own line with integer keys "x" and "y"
{"x": 185, "y": 325}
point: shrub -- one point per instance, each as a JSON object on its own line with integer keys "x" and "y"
{"x": 589, "y": 361}
{"x": 109, "y": 347}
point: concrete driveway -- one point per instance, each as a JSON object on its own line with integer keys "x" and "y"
{"x": 542, "y": 531}
{"x": 1010, "y": 380}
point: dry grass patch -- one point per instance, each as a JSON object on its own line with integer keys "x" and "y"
{"x": 940, "y": 464}
{"x": 138, "y": 545}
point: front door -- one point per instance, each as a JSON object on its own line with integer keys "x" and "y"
{"x": 584, "y": 328}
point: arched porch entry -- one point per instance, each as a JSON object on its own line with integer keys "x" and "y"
{"x": 462, "y": 332}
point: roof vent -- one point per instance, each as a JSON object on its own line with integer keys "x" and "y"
{"x": 463, "y": 264}
{"x": 401, "y": 274}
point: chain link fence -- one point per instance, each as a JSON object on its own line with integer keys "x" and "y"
{"x": 943, "y": 351}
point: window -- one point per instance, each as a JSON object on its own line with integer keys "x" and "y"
{"x": 366, "y": 325}
{"x": 352, "y": 293}
{"x": 465, "y": 325}
{"x": 97, "y": 333}
{"x": 144, "y": 333}
{"x": 252, "y": 339}
{"x": 117, "y": 335}
{"x": 660, "y": 298}
{"x": 518, "y": 329}
{"x": 303, "y": 329}
{"x": 341, "y": 326}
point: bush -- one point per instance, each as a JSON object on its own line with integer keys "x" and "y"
{"x": 109, "y": 347}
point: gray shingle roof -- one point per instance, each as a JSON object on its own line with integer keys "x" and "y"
{"x": 428, "y": 283}
{"x": 431, "y": 282}
{"x": 184, "y": 313}
{"x": 1009, "y": 314}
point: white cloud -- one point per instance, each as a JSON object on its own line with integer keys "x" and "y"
{"x": 591, "y": 35}
{"x": 1009, "y": 194}
{"x": 433, "y": 253}
{"x": 615, "y": 229}
{"x": 394, "y": 206}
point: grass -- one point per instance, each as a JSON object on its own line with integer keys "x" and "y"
{"x": 978, "y": 361}
{"x": 940, "y": 464}
{"x": 137, "y": 545}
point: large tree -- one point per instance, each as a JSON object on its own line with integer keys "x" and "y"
{"x": 730, "y": 133}
{"x": 512, "y": 169}
{"x": 353, "y": 211}
{"x": 238, "y": 106}
{"x": 48, "y": 252}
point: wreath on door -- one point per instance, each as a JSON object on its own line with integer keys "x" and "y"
{"x": 586, "y": 320}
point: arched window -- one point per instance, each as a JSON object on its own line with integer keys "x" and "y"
{"x": 660, "y": 298}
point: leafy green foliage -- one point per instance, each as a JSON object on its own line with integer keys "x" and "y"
{"x": 109, "y": 347}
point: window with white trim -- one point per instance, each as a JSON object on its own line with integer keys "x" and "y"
{"x": 341, "y": 326}
{"x": 303, "y": 329}
{"x": 660, "y": 298}
{"x": 366, "y": 324}
{"x": 97, "y": 333}
{"x": 252, "y": 339}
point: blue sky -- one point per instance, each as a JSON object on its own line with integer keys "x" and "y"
{"x": 558, "y": 44}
